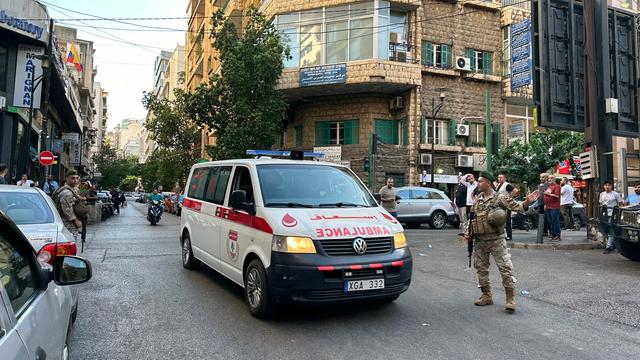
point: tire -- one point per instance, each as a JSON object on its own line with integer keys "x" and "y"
{"x": 629, "y": 250}
{"x": 256, "y": 290}
{"x": 188, "y": 260}
{"x": 526, "y": 223}
{"x": 413, "y": 225}
{"x": 438, "y": 220}
{"x": 577, "y": 222}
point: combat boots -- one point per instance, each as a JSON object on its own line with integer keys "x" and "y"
{"x": 510, "y": 306}
{"x": 485, "y": 298}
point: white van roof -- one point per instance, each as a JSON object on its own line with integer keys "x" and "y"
{"x": 262, "y": 161}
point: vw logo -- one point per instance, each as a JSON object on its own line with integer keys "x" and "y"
{"x": 359, "y": 246}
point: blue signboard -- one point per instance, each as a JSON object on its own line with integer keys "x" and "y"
{"x": 520, "y": 54}
{"x": 323, "y": 75}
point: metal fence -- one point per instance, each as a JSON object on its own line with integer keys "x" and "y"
{"x": 517, "y": 3}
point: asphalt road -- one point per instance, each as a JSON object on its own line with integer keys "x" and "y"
{"x": 141, "y": 304}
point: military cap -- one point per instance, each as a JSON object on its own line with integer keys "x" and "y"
{"x": 72, "y": 173}
{"x": 487, "y": 175}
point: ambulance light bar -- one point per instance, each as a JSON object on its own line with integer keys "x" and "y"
{"x": 295, "y": 155}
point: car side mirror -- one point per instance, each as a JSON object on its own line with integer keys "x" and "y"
{"x": 70, "y": 270}
{"x": 238, "y": 201}
{"x": 377, "y": 197}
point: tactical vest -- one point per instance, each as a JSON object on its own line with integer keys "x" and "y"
{"x": 489, "y": 217}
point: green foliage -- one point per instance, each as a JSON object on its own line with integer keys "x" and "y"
{"x": 241, "y": 104}
{"x": 129, "y": 183}
{"x": 524, "y": 162}
{"x": 113, "y": 168}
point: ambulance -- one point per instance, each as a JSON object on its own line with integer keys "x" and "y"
{"x": 292, "y": 231}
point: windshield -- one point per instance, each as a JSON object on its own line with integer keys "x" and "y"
{"x": 285, "y": 185}
{"x": 25, "y": 208}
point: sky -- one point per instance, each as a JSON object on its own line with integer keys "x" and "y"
{"x": 124, "y": 70}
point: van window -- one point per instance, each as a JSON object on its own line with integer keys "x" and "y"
{"x": 198, "y": 183}
{"x": 288, "y": 185}
{"x": 242, "y": 181}
{"x": 217, "y": 186}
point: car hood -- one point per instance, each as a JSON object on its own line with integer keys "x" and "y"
{"x": 332, "y": 223}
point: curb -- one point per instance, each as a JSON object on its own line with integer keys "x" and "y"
{"x": 558, "y": 246}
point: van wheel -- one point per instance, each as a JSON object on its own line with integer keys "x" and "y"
{"x": 256, "y": 290}
{"x": 188, "y": 261}
{"x": 438, "y": 220}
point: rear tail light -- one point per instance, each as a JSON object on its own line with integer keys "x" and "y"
{"x": 49, "y": 252}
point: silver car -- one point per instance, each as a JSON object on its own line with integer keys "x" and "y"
{"x": 418, "y": 205}
{"x": 35, "y": 308}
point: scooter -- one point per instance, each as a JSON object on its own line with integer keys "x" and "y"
{"x": 155, "y": 212}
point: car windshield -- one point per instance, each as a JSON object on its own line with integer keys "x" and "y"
{"x": 288, "y": 185}
{"x": 26, "y": 208}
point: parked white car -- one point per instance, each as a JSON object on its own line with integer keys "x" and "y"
{"x": 35, "y": 306}
{"x": 37, "y": 217}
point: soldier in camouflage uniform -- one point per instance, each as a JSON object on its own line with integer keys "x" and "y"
{"x": 486, "y": 229}
{"x": 65, "y": 198}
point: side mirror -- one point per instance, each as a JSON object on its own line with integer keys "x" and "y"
{"x": 238, "y": 201}
{"x": 70, "y": 270}
{"x": 377, "y": 197}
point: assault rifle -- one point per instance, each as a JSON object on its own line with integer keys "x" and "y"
{"x": 470, "y": 242}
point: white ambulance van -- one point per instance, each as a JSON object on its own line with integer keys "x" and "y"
{"x": 292, "y": 231}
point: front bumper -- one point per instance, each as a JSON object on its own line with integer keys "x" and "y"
{"x": 314, "y": 278}
{"x": 627, "y": 233}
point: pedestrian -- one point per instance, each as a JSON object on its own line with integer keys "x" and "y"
{"x": 388, "y": 197}
{"x": 50, "y": 186}
{"x": 504, "y": 188}
{"x": 4, "y": 169}
{"x": 542, "y": 187}
{"x": 608, "y": 200}
{"x": 486, "y": 229}
{"x": 566, "y": 203}
{"x": 552, "y": 207}
{"x": 24, "y": 181}
{"x": 116, "y": 199}
{"x": 67, "y": 198}
{"x": 469, "y": 181}
{"x": 424, "y": 178}
{"x": 634, "y": 199}
{"x": 461, "y": 204}
{"x": 123, "y": 200}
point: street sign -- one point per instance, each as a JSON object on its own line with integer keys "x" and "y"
{"x": 331, "y": 153}
{"x": 72, "y": 138}
{"x": 521, "y": 54}
{"x": 46, "y": 158}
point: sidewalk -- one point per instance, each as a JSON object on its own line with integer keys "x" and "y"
{"x": 571, "y": 240}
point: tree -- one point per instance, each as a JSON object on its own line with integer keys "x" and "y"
{"x": 113, "y": 168}
{"x": 129, "y": 183}
{"x": 241, "y": 105}
{"x": 524, "y": 162}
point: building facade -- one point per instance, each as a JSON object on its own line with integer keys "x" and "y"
{"x": 125, "y": 138}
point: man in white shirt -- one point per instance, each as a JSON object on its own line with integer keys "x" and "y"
{"x": 424, "y": 178}
{"x": 566, "y": 203}
{"x": 24, "y": 181}
{"x": 608, "y": 200}
{"x": 469, "y": 181}
{"x": 504, "y": 188}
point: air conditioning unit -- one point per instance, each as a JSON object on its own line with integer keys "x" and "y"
{"x": 425, "y": 159}
{"x": 463, "y": 63}
{"x": 397, "y": 103}
{"x": 3, "y": 102}
{"x": 462, "y": 130}
{"x": 394, "y": 37}
{"x": 399, "y": 56}
{"x": 464, "y": 161}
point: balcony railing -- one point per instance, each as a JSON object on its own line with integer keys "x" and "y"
{"x": 400, "y": 52}
{"x": 517, "y": 3}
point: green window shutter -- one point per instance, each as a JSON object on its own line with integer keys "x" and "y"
{"x": 497, "y": 138}
{"x": 467, "y": 141}
{"x": 387, "y": 131}
{"x": 351, "y": 132}
{"x": 470, "y": 53}
{"x": 322, "y": 132}
{"x": 423, "y": 130}
{"x": 446, "y": 56}
{"x": 427, "y": 53}
{"x": 452, "y": 132}
{"x": 405, "y": 131}
{"x": 486, "y": 62}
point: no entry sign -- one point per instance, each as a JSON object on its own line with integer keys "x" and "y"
{"x": 46, "y": 158}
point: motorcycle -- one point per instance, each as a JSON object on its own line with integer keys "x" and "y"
{"x": 154, "y": 212}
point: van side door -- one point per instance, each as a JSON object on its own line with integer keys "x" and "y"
{"x": 214, "y": 198}
{"x": 199, "y": 216}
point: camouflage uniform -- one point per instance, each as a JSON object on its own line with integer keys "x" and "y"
{"x": 493, "y": 243}
{"x": 65, "y": 198}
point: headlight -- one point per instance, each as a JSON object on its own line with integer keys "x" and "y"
{"x": 293, "y": 244}
{"x": 399, "y": 240}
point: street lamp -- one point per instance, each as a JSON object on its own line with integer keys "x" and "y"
{"x": 35, "y": 82}
{"x": 434, "y": 111}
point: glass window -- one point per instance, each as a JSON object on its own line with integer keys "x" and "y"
{"x": 290, "y": 38}
{"x": 362, "y": 9}
{"x": 385, "y": 48}
{"x": 442, "y": 132}
{"x": 336, "y": 133}
{"x": 476, "y": 134}
{"x": 398, "y": 28}
{"x": 435, "y": 196}
{"x": 4, "y": 55}
{"x": 337, "y": 13}
{"x": 217, "y": 186}
{"x": 198, "y": 183}
{"x": 310, "y": 47}
{"x": 361, "y": 39}
{"x": 506, "y": 50}
{"x": 286, "y": 20}
{"x": 242, "y": 181}
{"x": 402, "y": 194}
{"x": 26, "y": 208}
{"x": 285, "y": 185}
{"x": 420, "y": 194}
{"x": 337, "y": 42}
{"x": 17, "y": 275}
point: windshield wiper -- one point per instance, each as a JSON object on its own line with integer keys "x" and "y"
{"x": 341, "y": 204}
{"x": 289, "y": 204}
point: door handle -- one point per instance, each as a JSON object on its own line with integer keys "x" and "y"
{"x": 40, "y": 354}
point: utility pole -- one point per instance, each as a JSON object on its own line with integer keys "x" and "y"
{"x": 488, "y": 131}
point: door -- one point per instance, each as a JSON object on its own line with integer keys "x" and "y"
{"x": 212, "y": 207}
{"x": 11, "y": 346}
{"x": 403, "y": 205}
{"x": 236, "y": 230}
{"x": 198, "y": 216}
{"x": 422, "y": 203}
{"x": 27, "y": 302}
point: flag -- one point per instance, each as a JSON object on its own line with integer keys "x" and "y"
{"x": 73, "y": 57}
{"x": 563, "y": 167}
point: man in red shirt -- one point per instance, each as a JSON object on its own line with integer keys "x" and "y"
{"x": 552, "y": 207}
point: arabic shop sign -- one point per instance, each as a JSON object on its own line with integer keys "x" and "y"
{"x": 28, "y": 74}
{"x": 323, "y": 75}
